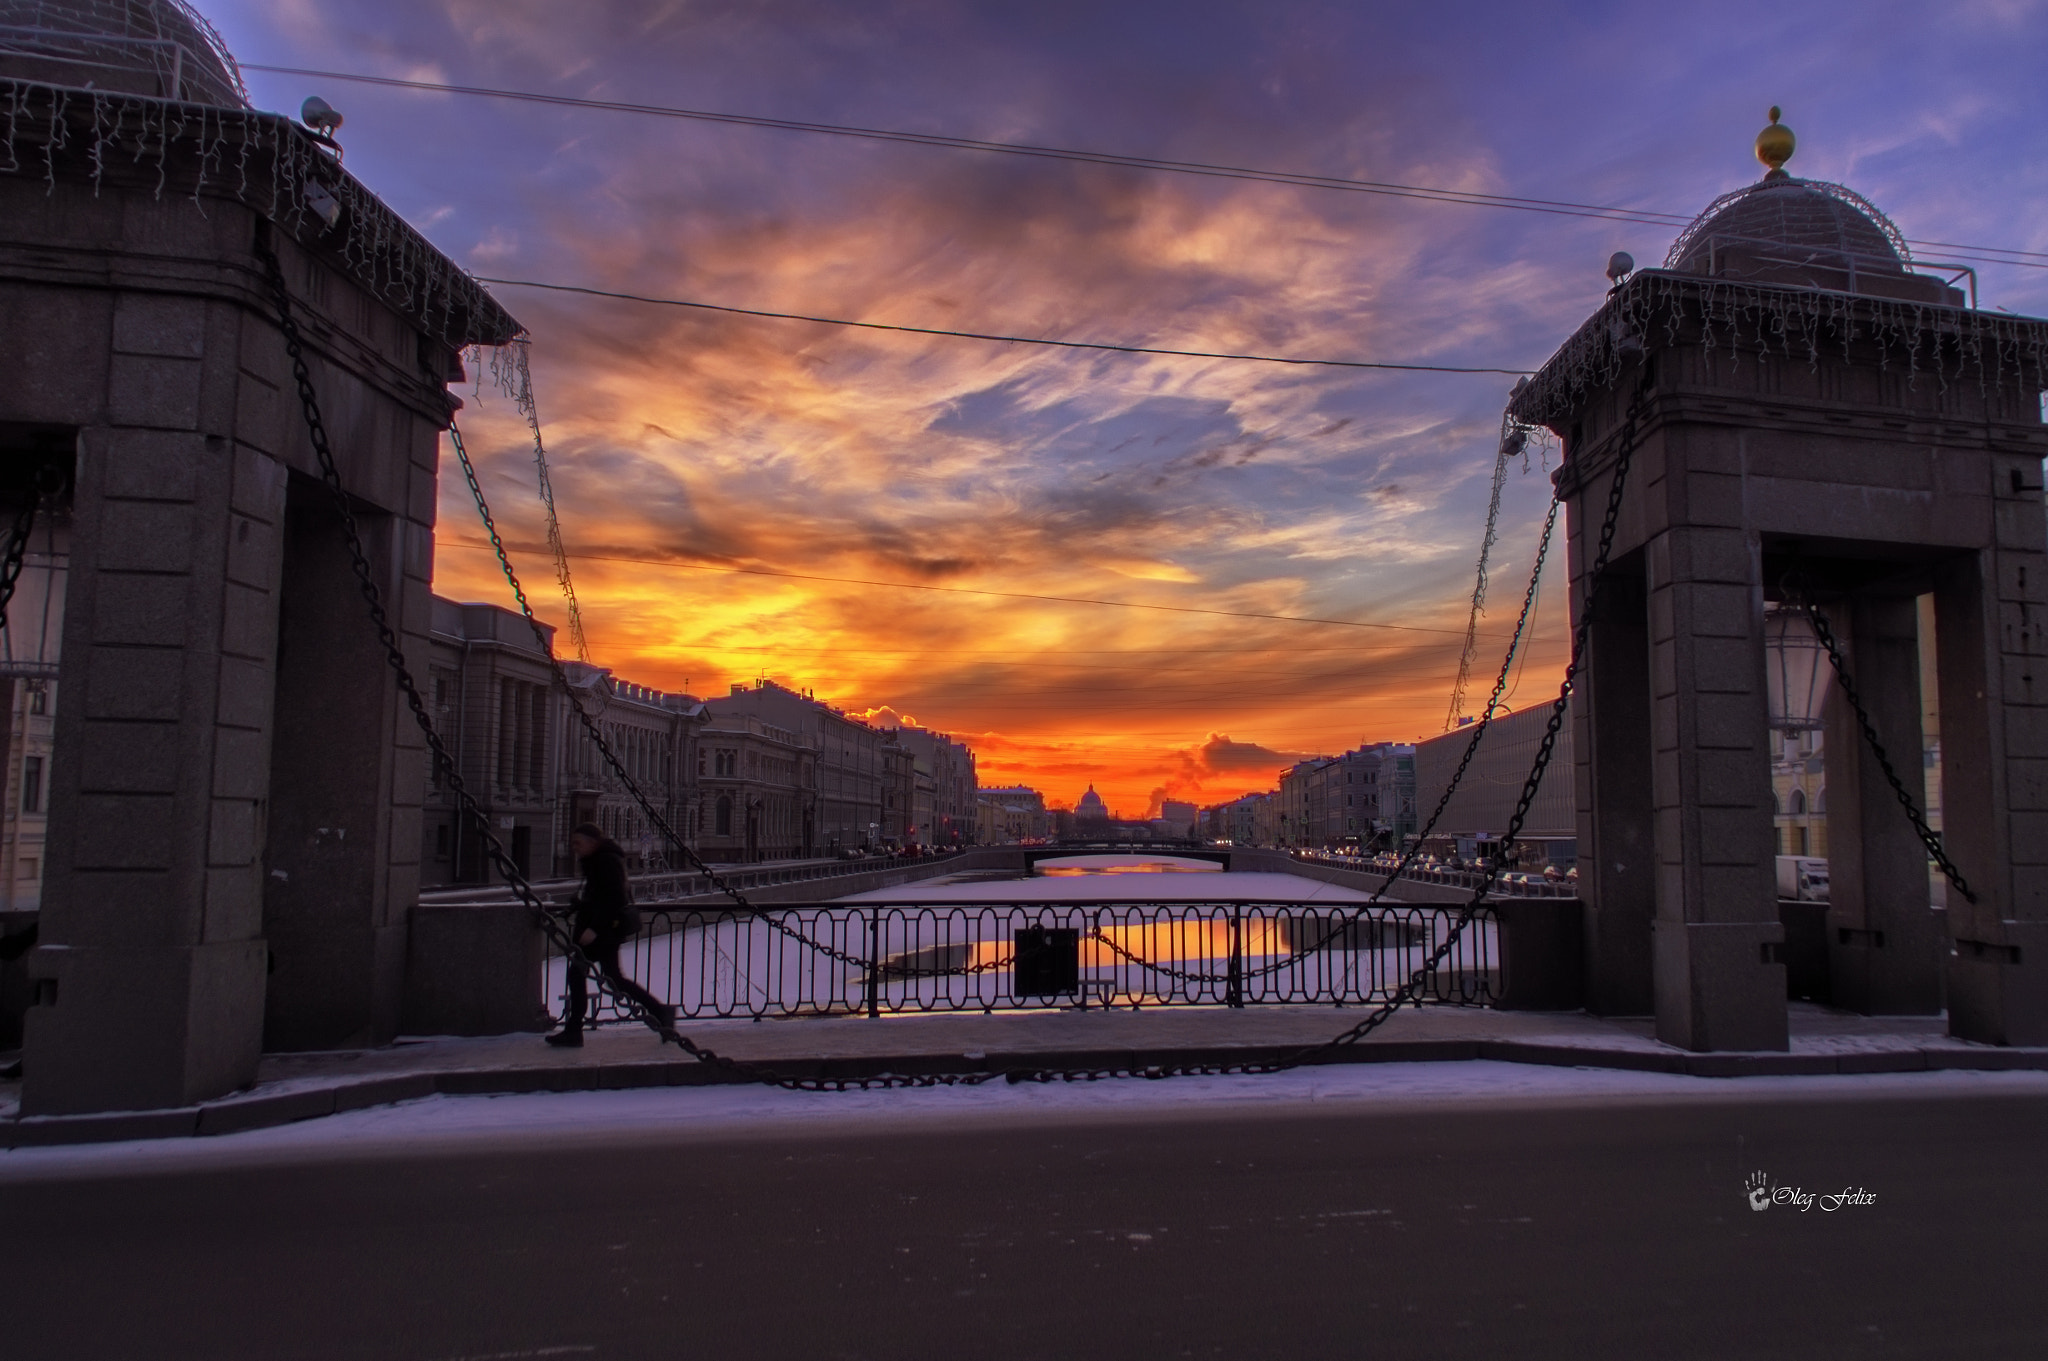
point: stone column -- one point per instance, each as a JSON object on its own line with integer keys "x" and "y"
{"x": 1993, "y": 668}
{"x": 1885, "y": 942}
{"x": 1717, "y": 942}
{"x": 151, "y": 967}
{"x": 1617, "y": 853}
{"x": 336, "y": 959}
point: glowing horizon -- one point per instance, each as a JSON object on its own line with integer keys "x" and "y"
{"x": 730, "y": 488}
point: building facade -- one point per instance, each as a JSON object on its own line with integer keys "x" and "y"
{"x": 29, "y": 648}
{"x": 944, "y": 804}
{"x": 494, "y": 705}
{"x": 654, "y": 734}
{"x": 530, "y": 762}
{"x": 756, "y": 790}
{"x": 1369, "y": 797}
{"x": 1011, "y": 813}
{"x": 1477, "y": 816}
{"x": 848, "y": 759}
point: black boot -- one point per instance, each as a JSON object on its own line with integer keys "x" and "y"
{"x": 566, "y": 1039}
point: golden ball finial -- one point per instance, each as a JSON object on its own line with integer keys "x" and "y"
{"x": 1774, "y": 145}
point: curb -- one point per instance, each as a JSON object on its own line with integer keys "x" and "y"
{"x": 234, "y": 1114}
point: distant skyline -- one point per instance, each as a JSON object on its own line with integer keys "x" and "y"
{"x": 812, "y": 458}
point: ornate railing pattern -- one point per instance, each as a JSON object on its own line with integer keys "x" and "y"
{"x": 896, "y": 957}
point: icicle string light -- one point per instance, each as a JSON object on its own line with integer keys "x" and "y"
{"x": 173, "y": 146}
{"x": 1759, "y": 323}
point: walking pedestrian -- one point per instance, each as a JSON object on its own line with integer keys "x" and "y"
{"x": 602, "y": 918}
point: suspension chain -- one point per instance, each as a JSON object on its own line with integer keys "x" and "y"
{"x": 1623, "y": 457}
{"x": 557, "y": 933}
{"x": 604, "y": 749}
{"x": 1408, "y": 857}
{"x": 524, "y": 400}
{"x": 565, "y": 942}
{"x": 1410, "y": 989}
{"x": 1929, "y": 838}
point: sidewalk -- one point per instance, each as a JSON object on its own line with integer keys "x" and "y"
{"x": 294, "y": 1087}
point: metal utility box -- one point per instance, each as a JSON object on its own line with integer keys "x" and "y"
{"x": 1048, "y": 962}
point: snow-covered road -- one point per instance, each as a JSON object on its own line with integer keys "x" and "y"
{"x": 455, "y": 1124}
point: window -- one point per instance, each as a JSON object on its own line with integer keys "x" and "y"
{"x": 1798, "y": 803}
{"x": 38, "y": 697}
{"x": 724, "y": 824}
{"x": 32, "y": 784}
{"x": 728, "y": 761}
{"x": 29, "y": 867}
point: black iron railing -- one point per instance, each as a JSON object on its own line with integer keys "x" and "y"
{"x": 895, "y": 957}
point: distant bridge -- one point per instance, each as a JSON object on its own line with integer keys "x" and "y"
{"x": 1180, "y": 849}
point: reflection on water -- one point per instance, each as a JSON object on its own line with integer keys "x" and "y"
{"x": 1074, "y": 866}
{"x": 1177, "y": 941}
{"x": 1143, "y": 867}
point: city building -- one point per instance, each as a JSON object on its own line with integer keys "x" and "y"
{"x": 1799, "y": 792}
{"x": 1301, "y": 799}
{"x": 492, "y": 698}
{"x": 29, "y": 648}
{"x": 1177, "y": 819}
{"x": 1369, "y": 797}
{"x": 1011, "y": 813}
{"x": 945, "y": 807}
{"x": 1091, "y": 815}
{"x": 652, "y": 734}
{"x": 1244, "y": 821}
{"x": 904, "y": 793}
{"x": 756, "y": 784}
{"x": 847, "y": 760}
{"x": 1478, "y": 813}
{"x": 531, "y": 764}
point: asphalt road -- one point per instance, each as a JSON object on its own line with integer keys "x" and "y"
{"x": 1589, "y": 1230}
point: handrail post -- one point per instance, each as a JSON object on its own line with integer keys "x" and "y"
{"x": 874, "y": 963}
{"x": 1233, "y": 995}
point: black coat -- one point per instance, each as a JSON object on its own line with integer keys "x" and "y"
{"x": 605, "y": 902}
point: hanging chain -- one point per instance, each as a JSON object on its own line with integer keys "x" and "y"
{"x": 523, "y": 374}
{"x": 1929, "y": 838}
{"x": 1623, "y": 457}
{"x": 604, "y": 749}
{"x": 1410, "y": 989}
{"x": 1408, "y": 857}
{"x": 557, "y": 932}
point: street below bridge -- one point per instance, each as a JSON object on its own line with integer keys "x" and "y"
{"x": 1589, "y": 1216}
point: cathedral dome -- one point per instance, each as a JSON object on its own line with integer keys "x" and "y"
{"x": 1091, "y": 805}
{"x": 163, "y": 48}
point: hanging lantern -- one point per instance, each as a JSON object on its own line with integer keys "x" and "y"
{"x": 1796, "y": 670}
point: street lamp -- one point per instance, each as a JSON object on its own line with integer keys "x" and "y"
{"x": 1793, "y": 664}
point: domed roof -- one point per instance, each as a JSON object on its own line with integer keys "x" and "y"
{"x": 1794, "y": 233}
{"x": 1791, "y": 224}
{"x": 149, "y": 47}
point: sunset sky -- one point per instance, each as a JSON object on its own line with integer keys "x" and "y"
{"x": 820, "y": 460}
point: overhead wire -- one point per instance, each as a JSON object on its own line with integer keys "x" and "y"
{"x": 974, "y": 590}
{"x": 997, "y": 337}
{"x": 1206, "y": 169}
